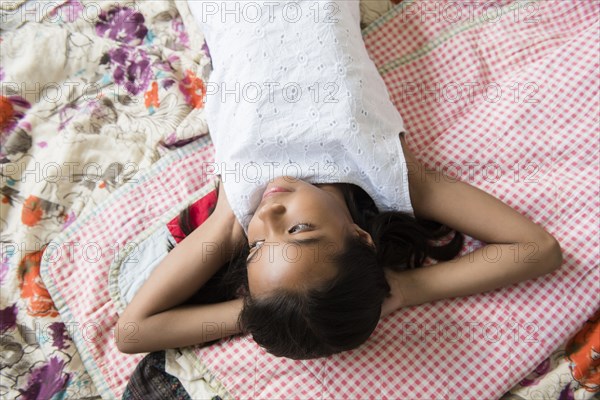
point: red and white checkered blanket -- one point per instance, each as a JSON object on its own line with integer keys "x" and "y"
{"x": 506, "y": 98}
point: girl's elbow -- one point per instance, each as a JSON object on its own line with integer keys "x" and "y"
{"x": 558, "y": 256}
{"x": 553, "y": 256}
{"x": 125, "y": 335}
{"x": 126, "y": 347}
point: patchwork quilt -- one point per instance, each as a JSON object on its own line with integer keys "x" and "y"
{"x": 103, "y": 142}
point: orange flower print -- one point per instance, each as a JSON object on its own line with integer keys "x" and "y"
{"x": 32, "y": 211}
{"x": 7, "y": 112}
{"x": 583, "y": 352}
{"x": 12, "y": 110}
{"x": 151, "y": 97}
{"x": 38, "y": 300}
{"x": 193, "y": 89}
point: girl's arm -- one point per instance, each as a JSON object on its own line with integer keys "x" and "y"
{"x": 517, "y": 249}
{"x": 154, "y": 320}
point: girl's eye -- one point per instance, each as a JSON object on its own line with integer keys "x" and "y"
{"x": 298, "y": 227}
{"x": 295, "y": 229}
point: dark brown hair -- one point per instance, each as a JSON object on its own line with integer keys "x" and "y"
{"x": 339, "y": 314}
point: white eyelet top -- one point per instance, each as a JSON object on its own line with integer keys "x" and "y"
{"x": 293, "y": 92}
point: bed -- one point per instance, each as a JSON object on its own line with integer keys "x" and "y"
{"x": 100, "y": 100}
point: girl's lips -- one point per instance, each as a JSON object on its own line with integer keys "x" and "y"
{"x": 273, "y": 190}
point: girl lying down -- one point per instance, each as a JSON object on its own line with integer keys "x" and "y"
{"x": 308, "y": 259}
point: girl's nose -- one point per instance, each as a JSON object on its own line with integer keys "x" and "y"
{"x": 271, "y": 211}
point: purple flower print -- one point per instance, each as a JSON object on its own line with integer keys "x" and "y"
{"x": 130, "y": 68}
{"x": 8, "y": 318}
{"x": 46, "y": 381}
{"x": 122, "y": 24}
{"x": 206, "y": 50}
{"x": 567, "y": 393}
{"x": 177, "y": 26}
{"x": 59, "y": 334}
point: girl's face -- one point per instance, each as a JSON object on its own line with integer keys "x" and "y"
{"x": 294, "y": 233}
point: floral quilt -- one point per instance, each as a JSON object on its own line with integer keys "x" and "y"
{"x": 92, "y": 94}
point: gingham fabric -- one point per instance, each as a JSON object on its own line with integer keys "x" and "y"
{"x": 535, "y": 147}
{"x": 77, "y": 264}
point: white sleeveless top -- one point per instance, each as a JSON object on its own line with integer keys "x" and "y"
{"x": 293, "y": 92}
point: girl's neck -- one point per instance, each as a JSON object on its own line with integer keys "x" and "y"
{"x": 338, "y": 190}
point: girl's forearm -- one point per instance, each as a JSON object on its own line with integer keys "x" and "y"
{"x": 178, "y": 327}
{"x": 183, "y": 271}
{"x": 155, "y": 314}
{"x": 487, "y": 268}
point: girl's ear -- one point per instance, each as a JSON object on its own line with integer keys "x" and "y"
{"x": 363, "y": 235}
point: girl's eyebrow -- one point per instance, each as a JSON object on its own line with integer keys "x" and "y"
{"x": 298, "y": 242}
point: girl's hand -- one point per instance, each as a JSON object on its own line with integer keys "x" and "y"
{"x": 396, "y": 298}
